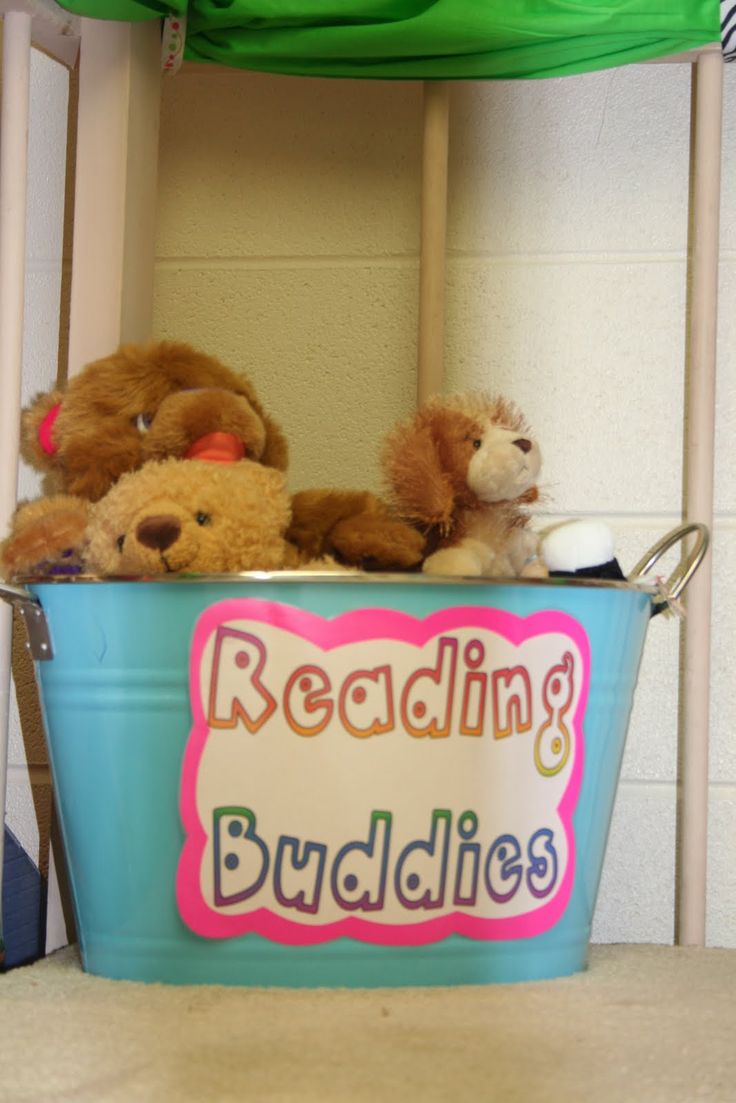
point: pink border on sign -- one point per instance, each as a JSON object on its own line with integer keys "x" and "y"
{"x": 360, "y": 625}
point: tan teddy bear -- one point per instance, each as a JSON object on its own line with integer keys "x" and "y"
{"x": 191, "y": 516}
{"x": 461, "y": 470}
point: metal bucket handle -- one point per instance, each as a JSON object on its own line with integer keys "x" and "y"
{"x": 682, "y": 574}
{"x": 29, "y": 608}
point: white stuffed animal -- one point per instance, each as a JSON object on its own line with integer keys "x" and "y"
{"x": 581, "y": 549}
{"x": 462, "y": 471}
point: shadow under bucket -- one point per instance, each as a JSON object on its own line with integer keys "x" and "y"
{"x": 334, "y": 779}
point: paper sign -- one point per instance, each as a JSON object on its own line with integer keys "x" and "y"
{"x": 378, "y": 776}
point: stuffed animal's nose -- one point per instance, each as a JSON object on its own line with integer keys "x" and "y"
{"x": 158, "y": 532}
{"x": 524, "y": 444}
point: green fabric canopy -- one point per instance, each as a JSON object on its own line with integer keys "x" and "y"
{"x": 418, "y": 39}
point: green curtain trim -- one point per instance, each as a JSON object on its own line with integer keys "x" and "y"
{"x": 124, "y": 11}
{"x": 418, "y": 39}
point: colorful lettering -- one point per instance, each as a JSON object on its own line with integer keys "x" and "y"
{"x": 304, "y": 697}
{"x": 242, "y": 696}
{"x": 358, "y": 876}
{"x": 305, "y": 897}
{"x": 421, "y": 870}
{"x": 241, "y": 857}
{"x": 426, "y": 703}
{"x": 468, "y": 863}
{"x": 512, "y": 702}
{"x": 552, "y": 744}
{"x": 541, "y": 874}
{"x": 373, "y": 700}
{"x": 474, "y": 691}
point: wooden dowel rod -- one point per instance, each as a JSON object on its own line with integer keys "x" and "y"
{"x": 430, "y": 350}
{"x": 699, "y": 462}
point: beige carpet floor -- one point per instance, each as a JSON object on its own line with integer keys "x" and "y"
{"x": 647, "y": 1024}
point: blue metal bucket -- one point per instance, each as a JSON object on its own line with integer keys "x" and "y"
{"x": 336, "y": 780}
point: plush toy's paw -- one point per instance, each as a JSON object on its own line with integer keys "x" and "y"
{"x": 327, "y": 563}
{"x": 453, "y": 561}
{"x": 376, "y": 543}
{"x": 46, "y": 538}
{"x": 535, "y": 568}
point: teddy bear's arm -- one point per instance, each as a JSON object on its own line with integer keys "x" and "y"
{"x": 45, "y": 536}
{"x": 314, "y": 513}
{"x": 354, "y": 525}
{"x": 377, "y": 542}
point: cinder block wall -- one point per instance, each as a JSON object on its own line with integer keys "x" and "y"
{"x": 288, "y": 244}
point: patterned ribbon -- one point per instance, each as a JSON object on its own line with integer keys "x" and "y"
{"x": 172, "y": 43}
{"x": 728, "y": 29}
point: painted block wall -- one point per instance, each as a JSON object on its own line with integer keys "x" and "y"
{"x": 288, "y": 244}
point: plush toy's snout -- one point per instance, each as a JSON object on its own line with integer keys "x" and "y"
{"x": 217, "y": 448}
{"x": 503, "y": 465}
{"x": 206, "y": 423}
{"x": 158, "y": 532}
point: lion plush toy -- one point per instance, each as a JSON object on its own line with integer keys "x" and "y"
{"x": 165, "y": 399}
{"x": 462, "y": 470}
{"x": 192, "y": 516}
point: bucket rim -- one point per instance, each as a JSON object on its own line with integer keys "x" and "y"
{"x": 362, "y": 578}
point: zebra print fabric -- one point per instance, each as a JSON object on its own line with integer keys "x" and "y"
{"x": 728, "y": 29}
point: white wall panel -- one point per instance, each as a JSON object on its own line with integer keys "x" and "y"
{"x": 721, "y": 915}
{"x": 636, "y": 898}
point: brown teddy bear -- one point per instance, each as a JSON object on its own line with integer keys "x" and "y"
{"x": 165, "y": 399}
{"x": 461, "y": 470}
{"x": 143, "y": 402}
{"x": 191, "y": 516}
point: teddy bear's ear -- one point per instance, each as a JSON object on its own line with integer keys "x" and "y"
{"x": 38, "y": 444}
{"x": 276, "y": 450}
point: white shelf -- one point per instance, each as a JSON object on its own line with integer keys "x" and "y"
{"x": 55, "y": 31}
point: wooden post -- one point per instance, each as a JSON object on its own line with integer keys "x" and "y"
{"x": 115, "y": 189}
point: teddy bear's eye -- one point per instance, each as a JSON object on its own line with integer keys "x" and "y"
{"x": 143, "y": 422}
{"x": 477, "y": 444}
{"x": 120, "y": 541}
{"x": 203, "y": 518}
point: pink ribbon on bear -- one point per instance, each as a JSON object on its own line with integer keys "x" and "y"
{"x": 46, "y": 431}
